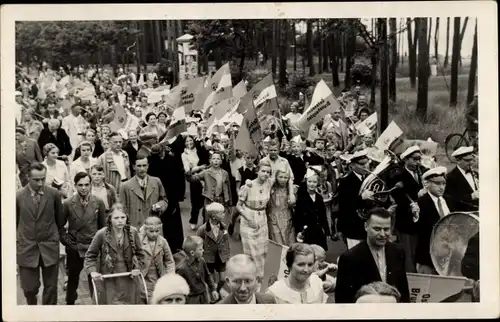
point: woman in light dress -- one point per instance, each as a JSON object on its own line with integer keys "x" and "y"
{"x": 300, "y": 286}
{"x": 279, "y": 213}
{"x": 57, "y": 171}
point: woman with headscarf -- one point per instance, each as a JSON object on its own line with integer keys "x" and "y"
{"x": 116, "y": 248}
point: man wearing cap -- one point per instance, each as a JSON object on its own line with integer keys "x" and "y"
{"x": 432, "y": 208}
{"x": 463, "y": 181}
{"x": 349, "y": 223}
{"x": 407, "y": 210}
{"x": 27, "y": 152}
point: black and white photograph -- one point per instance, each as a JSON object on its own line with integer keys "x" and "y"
{"x": 261, "y": 154}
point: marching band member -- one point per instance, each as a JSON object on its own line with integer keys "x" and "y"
{"x": 463, "y": 182}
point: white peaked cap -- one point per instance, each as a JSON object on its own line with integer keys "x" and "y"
{"x": 410, "y": 151}
{"x": 359, "y": 155}
{"x": 310, "y": 173}
{"x": 434, "y": 172}
{"x": 267, "y": 139}
{"x": 462, "y": 151}
{"x": 296, "y": 139}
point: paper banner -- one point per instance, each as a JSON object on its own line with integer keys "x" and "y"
{"x": 434, "y": 288}
{"x": 389, "y": 136}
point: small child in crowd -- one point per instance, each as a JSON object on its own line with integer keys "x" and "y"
{"x": 158, "y": 259}
{"x": 321, "y": 268}
{"x": 196, "y": 273}
{"x": 215, "y": 240}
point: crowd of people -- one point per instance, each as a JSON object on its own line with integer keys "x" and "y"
{"x": 111, "y": 198}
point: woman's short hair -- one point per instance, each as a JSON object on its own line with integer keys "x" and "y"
{"x": 162, "y": 113}
{"x": 264, "y": 163}
{"x": 378, "y": 288}
{"x": 149, "y": 115}
{"x": 297, "y": 249}
{"x": 49, "y": 147}
{"x": 86, "y": 143}
{"x": 191, "y": 243}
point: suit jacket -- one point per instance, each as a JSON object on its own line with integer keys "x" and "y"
{"x": 139, "y": 204}
{"x": 209, "y": 187}
{"x": 160, "y": 257}
{"x": 404, "y": 217}
{"x": 459, "y": 191}
{"x": 132, "y": 154}
{"x": 260, "y": 298}
{"x": 111, "y": 173}
{"x": 83, "y": 223}
{"x": 24, "y": 158}
{"x": 349, "y": 223}
{"x": 61, "y": 140}
{"x": 341, "y": 135}
{"x": 313, "y": 214}
{"x": 357, "y": 268}
{"x": 428, "y": 218}
{"x": 298, "y": 166}
{"x": 214, "y": 246}
{"x": 38, "y": 228}
{"x": 470, "y": 262}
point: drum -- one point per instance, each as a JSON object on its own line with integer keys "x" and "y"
{"x": 449, "y": 241}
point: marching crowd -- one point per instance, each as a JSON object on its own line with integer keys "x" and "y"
{"x": 111, "y": 198}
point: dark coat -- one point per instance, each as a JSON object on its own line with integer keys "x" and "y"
{"x": 196, "y": 274}
{"x": 350, "y": 224}
{"x": 428, "y": 218}
{"x": 260, "y": 298}
{"x": 132, "y": 154}
{"x": 298, "y": 166}
{"x": 214, "y": 246}
{"x": 313, "y": 214}
{"x": 61, "y": 140}
{"x": 312, "y": 158}
{"x": 459, "y": 191}
{"x": 25, "y": 159}
{"x": 357, "y": 268}
{"x": 37, "y": 228}
{"x": 470, "y": 262}
{"x": 404, "y": 217}
{"x": 83, "y": 223}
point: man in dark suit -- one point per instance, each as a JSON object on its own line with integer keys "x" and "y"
{"x": 462, "y": 182}
{"x": 297, "y": 160}
{"x": 38, "y": 209}
{"x": 27, "y": 153}
{"x": 375, "y": 259}
{"x": 432, "y": 208}
{"x": 54, "y": 134}
{"x": 85, "y": 214}
{"x": 407, "y": 207}
{"x": 241, "y": 277}
{"x": 349, "y": 223}
{"x": 132, "y": 147}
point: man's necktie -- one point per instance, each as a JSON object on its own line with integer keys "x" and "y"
{"x": 440, "y": 208}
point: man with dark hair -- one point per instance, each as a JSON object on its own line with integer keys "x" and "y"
{"x": 142, "y": 195}
{"x": 38, "y": 210}
{"x": 85, "y": 215}
{"x": 375, "y": 259}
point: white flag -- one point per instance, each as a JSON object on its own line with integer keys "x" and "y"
{"x": 323, "y": 102}
{"x": 266, "y": 94}
{"x": 390, "y": 134}
{"x": 368, "y": 125}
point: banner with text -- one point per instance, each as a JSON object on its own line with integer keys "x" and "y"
{"x": 275, "y": 267}
{"x": 434, "y": 288}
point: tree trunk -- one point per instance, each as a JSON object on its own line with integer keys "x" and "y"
{"x": 159, "y": 40}
{"x": 473, "y": 68}
{"x": 326, "y": 54}
{"x": 350, "y": 46}
{"x": 218, "y": 58}
{"x": 341, "y": 41}
{"x": 294, "y": 39}
{"x": 137, "y": 51}
{"x": 384, "y": 98}
{"x": 309, "y": 38}
{"x": 274, "y": 46}
{"x": 394, "y": 59}
{"x": 401, "y": 51}
{"x": 283, "y": 45}
{"x": 462, "y": 33}
{"x": 423, "y": 68}
{"x": 455, "y": 53}
{"x": 333, "y": 49}
{"x": 447, "y": 42}
{"x": 429, "y": 25}
{"x": 436, "y": 40}
{"x": 374, "y": 62}
{"x": 114, "y": 62}
{"x": 412, "y": 54}
{"x": 320, "y": 53}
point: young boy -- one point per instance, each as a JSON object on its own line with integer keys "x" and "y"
{"x": 216, "y": 240}
{"x": 321, "y": 268}
{"x": 158, "y": 259}
{"x": 196, "y": 273}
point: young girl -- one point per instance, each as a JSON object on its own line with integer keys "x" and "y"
{"x": 310, "y": 211}
{"x": 326, "y": 191}
{"x": 195, "y": 272}
{"x": 158, "y": 259}
{"x": 215, "y": 240}
{"x": 279, "y": 214}
{"x": 321, "y": 268}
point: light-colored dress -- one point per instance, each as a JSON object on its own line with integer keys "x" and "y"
{"x": 279, "y": 217}
{"x": 59, "y": 171}
{"x": 254, "y": 232}
{"x": 313, "y": 294}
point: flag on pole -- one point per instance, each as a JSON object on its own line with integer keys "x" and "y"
{"x": 240, "y": 89}
{"x": 221, "y": 108}
{"x": 177, "y": 125}
{"x": 219, "y": 84}
{"x": 388, "y": 137}
{"x": 322, "y": 103}
{"x": 248, "y": 100}
{"x": 188, "y": 89}
{"x": 275, "y": 266}
{"x": 243, "y": 141}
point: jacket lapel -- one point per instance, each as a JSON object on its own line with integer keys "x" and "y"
{"x": 146, "y": 247}
{"x": 390, "y": 256}
{"x": 43, "y": 201}
{"x": 136, "y": 188}
{"x": 150, "y": 188}
{"x": 370, "y": 262}
{"x": 77, "y": 207}
{"x": 29, "y": 202}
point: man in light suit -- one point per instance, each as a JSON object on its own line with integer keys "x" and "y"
{"x": 38, "y": 209}
{"x": 241, "y": 277}
{"x": 85, "y": 214}
{"x": 142, "y": 195}
{"x": 375, "y": 259}
{"x": 340, "y": 128}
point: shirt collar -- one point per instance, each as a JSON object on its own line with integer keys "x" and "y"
{"x": 435, "y": 198}
{"x": 374, "y": 251}
{"x": 464, "y": 172}
{"x": 33, "y": 192}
